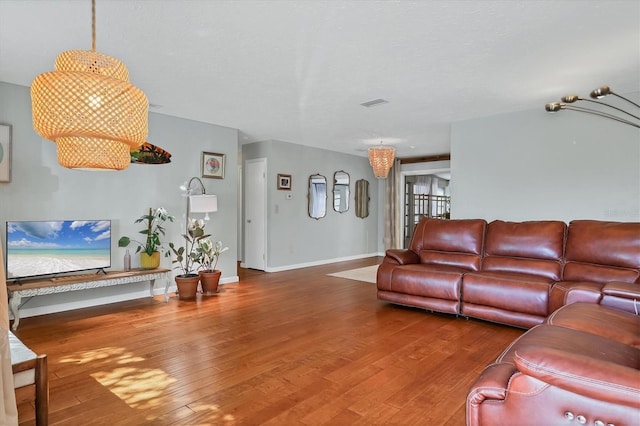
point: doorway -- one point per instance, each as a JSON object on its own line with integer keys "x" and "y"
{"x": 255, "y": 214}
{"x": 424, "y": 196}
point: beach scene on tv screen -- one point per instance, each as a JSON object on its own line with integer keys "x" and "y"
{"x": 47, "y": 248}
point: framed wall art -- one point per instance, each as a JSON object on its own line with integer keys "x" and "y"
{"x": 284, "y": 182}
{"x": 212, "y": 165}
{"x": 5, "y": 153}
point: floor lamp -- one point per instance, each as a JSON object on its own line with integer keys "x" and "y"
{"x": 199, "y": 203}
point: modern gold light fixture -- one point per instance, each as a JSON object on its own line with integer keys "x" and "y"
{"x": 89, "y": 109}
{"x": 605, "y": 110}
{"x": 381, "y": 159}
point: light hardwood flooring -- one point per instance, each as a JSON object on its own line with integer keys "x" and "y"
{"x": 288, "y": 348}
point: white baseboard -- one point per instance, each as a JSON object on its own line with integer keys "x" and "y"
{"x": 320, "y": 262}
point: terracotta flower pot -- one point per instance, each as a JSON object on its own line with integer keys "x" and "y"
{"x": 187, "y": 286}
{"x": 149, "y": 262}
{"x": 209, "y": 281}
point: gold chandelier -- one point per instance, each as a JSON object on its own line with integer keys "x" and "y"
{"x": 381, "y": 159}
{"x": 89, "y": 109}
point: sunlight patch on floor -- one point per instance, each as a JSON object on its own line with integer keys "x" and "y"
{"x": 140, "y": 388}
{"x": 110, "y": 354}
{"x": 200, "y": 407}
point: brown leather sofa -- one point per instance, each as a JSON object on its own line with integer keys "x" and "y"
{"x": 577, "y": 289}
{"x": 581, "y": 367}
{"x": 515, "y": 273}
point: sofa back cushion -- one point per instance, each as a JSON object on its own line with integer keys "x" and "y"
{"x": 533, "y": 247}
{"x": 457, "y": 242}
{"x": 602, "y": 251}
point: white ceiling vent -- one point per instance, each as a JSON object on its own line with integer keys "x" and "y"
{"x": 375, "y": 102}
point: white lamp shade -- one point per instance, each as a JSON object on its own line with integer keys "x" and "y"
{"x": 203, "y": 203}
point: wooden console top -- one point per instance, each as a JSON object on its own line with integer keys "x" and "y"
{"x": 82, "y": 278}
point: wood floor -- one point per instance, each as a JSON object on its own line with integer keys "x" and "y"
{"x": 287, "y": 348}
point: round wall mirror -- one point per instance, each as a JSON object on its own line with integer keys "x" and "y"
{"x": 341, "y": 191}
{"x": 317, "y": 196}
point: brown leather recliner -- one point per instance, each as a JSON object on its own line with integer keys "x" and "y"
{"x": 429, "y": 274}
{"x": 522, "y": 261}
{"x": 602, "y": 265}
{"x": 581, "y": 367}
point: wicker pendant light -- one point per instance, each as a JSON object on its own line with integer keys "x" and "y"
{"x": 89, "y": 108}
{"x": 381, "y": 159}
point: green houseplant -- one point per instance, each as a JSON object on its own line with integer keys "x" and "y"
{"x": 186, "y": 258}
{"x": 152, "y": 246}
{"x": 208, "y": 255}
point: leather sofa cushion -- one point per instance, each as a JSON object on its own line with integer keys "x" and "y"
{"x": 602, "y": 251}
{"x": 614, "y": 324}
{"x": 450, "y": 242}
{"x": 533, "y": 239}
{"x": 543, "y": 268}
{"x": 568, "y": 292}
{"x": 574, "y": 341}
{"x": 510, "y": 291}
{"x": 468, "y": 262}
{"x": 578, "y": 271}
{"x": 533, "y": 247}
{"x": 435, "y": 281}
{"x": 621, "y": 295}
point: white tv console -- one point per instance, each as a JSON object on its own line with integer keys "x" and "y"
{"x": 82, "y": 282}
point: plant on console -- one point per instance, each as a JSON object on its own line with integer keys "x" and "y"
{"x": 154, "y": 228}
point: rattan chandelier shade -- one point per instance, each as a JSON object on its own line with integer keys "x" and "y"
{"x": 93, "y": 153}
{"x": 72, "y": 103}
{"x": 93, "y": 62}
{"x": 381, "y": 159}
{"x": 89, "y": 108}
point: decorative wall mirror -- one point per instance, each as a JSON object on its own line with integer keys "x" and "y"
{"x": 362, "y": 198}
{"x": 341, "y": 191}
{"x": 317, "y": 196}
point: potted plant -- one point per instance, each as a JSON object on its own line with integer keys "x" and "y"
{"x": 208, "y": 255}
{"x": 150, "y": 249}
{"x": 186, "y": 257}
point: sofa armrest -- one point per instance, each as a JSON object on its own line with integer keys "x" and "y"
{"x": 621, "y": 295}
{"x": 620, "y": 289}
{"x": 582, "y": 375}
{"x": 402, "y": 257}
{"x": 568, "y": 292}
{"x": 492, "y": 383}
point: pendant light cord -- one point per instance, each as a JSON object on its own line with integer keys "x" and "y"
{"x": 93, "y": 25}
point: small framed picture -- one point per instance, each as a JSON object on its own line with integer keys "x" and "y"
{"x": 284, "y": 182}
{"x": 5, "y": 153}
{"x": 212, "y": 165}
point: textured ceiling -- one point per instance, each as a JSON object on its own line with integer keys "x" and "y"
{"x": 297, "y": 71}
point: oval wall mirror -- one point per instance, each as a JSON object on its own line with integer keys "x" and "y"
{"x": 317, "y": 196}
{"x": 341, "y": 191}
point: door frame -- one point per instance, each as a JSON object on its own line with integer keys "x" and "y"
{"x": 265, "y": 211}
{"x": 403, "y": 182}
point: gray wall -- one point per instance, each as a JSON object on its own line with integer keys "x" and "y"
{"x": 532, "y": 165}
{"x": 293, "y": 238}
{"x": 41, "y": 189}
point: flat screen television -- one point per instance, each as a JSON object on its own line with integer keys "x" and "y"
{"x": 38, "y": 248}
